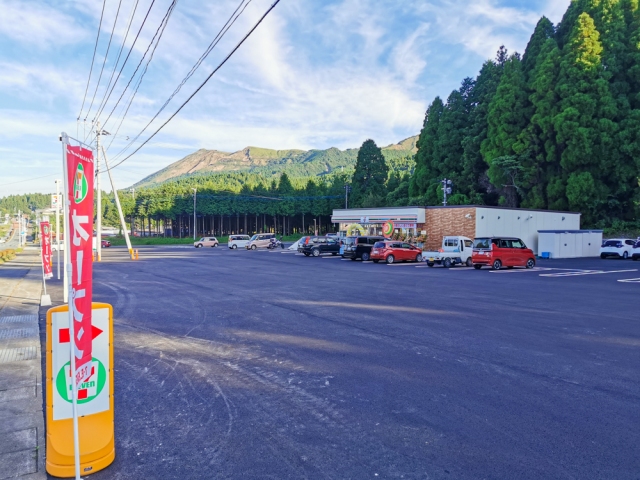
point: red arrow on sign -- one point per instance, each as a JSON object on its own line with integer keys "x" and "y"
{"x": 64, "y": 337}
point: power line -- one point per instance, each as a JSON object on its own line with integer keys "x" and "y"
{"x": 28, "y": 180}
{"x": 200, "y": 87}
{"x": 160, "y": 27}
{"x": 105, "y": 59}
{"x": 163, "y": 25}
{"x": 95, "y": 47}
{"x": 135, "y": 40}
{"x": 225, "y": 28}
{"x": 105, "y": 99}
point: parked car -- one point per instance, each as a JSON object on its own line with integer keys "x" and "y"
{"x": 455, "y": 250}
{"x": 206, "y": 242}
{"x": 617, "y": 248}
{"x": 301, "y": 243}
{"x": 392, "y": 251}
{"x": 498, "y": 252}
{"x": 105, "y": 243}
{"x": 316, "y": 246}
{"x": 260, "y": 240}
{"x": 635, "y": 255}
{"x": 359, "y": 247}
{"x": 238, "y": 241}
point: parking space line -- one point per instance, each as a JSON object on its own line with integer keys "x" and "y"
{"x": 522, "y": 270}
{"x": 409, "y": 264}
{"x": 333, "y": 257}
{"x": 585, "y": 272}
{"x": 630, "y": 280}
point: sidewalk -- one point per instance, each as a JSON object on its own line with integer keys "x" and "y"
{"x": 22, "y": 444}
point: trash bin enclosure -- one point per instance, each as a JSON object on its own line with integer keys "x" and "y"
{"x": 569, "y": 243}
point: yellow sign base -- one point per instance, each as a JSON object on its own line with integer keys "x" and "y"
{"x": 95, "y": 431}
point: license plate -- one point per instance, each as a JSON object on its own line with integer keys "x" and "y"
{"x": 431, "y": 259}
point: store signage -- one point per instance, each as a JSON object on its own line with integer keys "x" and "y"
{"x": 45, "y": 241}
{"x": 387, "y": 229}
{"x": 80, "y": 220}
{"x": 404, "y": 225}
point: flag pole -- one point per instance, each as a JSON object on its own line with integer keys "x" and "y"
{"x": 72, "y": 337}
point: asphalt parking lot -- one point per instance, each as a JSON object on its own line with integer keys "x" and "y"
{"x": 242, "y": 364}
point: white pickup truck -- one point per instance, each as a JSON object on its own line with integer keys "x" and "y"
{"x": 455, "y": 250}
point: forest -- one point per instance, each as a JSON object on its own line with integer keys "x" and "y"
{"x": 556, "y": 127}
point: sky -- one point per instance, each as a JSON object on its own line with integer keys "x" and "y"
{"x": 314, "y": 74}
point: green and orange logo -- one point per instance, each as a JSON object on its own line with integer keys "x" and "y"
{"x": 80, "y": 185}
{"x": 387, "y": 229}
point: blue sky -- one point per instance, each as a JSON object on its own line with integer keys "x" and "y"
{"x": 315, "y": 74}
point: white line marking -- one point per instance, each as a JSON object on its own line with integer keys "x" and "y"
{"x": 585, "y": 272}
{"x": 408, "y": 264}
{"x": 333, "y": 257}
{"x": 630, "y": 280}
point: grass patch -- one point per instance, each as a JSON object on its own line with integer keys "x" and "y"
{"x": 119, "y": 241}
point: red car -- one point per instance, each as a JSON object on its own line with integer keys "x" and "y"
{"x": 392, "y": 252}
{"x": 498, "y": 252}
{"x": 106, "y": 243}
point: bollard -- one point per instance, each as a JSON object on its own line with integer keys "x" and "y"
{"x": 137, "y": 255}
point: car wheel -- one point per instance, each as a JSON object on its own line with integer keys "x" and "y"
{"x": 199, "y": 245}
{"x": 390, "y": 259}
{"x": 376, "y": 261}
{"x": 253, "y": 247}
{"x": 334, "y": 254}
{"x": 469, "y": 262}
{"x": 306, "y": 254}
{"x": 235, "y": 247}
{"x": 315, "y": 252}
{"x": 429, "y": 264}
{"x": 603, "y": 256}
{"x": 477, "y": 267}
{"x": 353, "y": 259}
{"x": 635, "y": 259}
{"x": 446, "y": 263}
{"x": 419, "y": 258}
{"x": 214, "y": 245}
{"x": 625, "y": 255}
{"x": 530, "y": 263}
{"x": 497, "y": 265}
{"x": 365, "y": 257}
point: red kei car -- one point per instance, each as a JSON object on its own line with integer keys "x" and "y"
{"x": 391, "y": 252}
{"x": 498, "y": 252}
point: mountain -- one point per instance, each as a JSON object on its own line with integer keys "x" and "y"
{"x": 296, "y": 163}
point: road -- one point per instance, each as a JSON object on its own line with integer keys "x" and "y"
{"x": 236, "y": 364}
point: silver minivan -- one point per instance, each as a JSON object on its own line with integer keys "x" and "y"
{"x": 238, "y": 241}
{"x": 260, "y": 240}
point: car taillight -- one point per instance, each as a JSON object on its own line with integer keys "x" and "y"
{"x": 440, "y": 250}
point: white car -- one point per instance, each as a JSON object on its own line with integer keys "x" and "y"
{"x": 238, "y": 241}
{"x": 617, "y": 248}
{"x": 206, "y": 242}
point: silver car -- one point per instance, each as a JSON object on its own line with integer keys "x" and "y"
{"x": 206, "y": 242}
{"x": 260, "y": 240}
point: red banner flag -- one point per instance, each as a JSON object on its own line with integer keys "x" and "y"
{"x": 80, "y": 221}
{"x": 45, "y": 242}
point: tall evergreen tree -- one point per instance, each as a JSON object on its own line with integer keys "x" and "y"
{"x": 420, "y": 181}
{"x": 370, "y": 176}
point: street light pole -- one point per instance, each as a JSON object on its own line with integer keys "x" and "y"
{"x": 133, "y": 194}
{"x": 99, "y": 198}
{"x": 347, "y": 189}
{"x": 195, "y": 190}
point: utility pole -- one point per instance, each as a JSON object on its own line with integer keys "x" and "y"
{"x": 347, "y": 189}
{"x": 99, "y": 198}
{"x": 446, "y": 189}
{"x": 58, "y": 199}
{"x": 195, "y": 190}
{"x": 120, "y": 214}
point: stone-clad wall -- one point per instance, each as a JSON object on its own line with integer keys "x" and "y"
{"x": 441, "y": 222}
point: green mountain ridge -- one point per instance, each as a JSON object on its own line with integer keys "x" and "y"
{"x": 295, "y": 163}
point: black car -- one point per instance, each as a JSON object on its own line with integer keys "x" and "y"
{"x": 359, "y": 247}
{"x": 318, "y": 245}
{"x": 635, "y": 253}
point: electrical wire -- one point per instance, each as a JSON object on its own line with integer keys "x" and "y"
{"x": 139, "y": 82}
{"x": 105, "y": 99}
{"x": 170, "y": 9}
{"x": 199, "y": 88}
{"x": 105, "y": 59}
{"x": 28, "y": 180}
{"x": 95, "y": 48}
{"x": 225, "y": 28}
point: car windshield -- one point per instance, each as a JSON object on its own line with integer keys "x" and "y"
{"x": 482, "y": 243}
{"x": 350, "y": 240}
{"x": 202, "y": 239}
{"x": 254, "y": 237}
{"x": 378, "y": 245}
{"x": 612, "y": 243}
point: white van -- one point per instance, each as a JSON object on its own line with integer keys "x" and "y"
{"x": 238, "y": 241}
{"x": 206, "y": 242}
